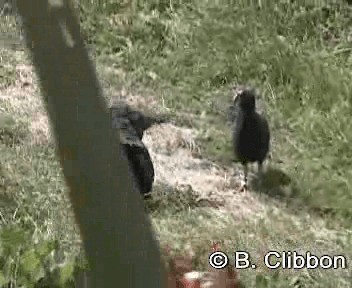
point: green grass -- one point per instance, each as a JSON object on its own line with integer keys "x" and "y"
{"x": 297, "y": 55}
{"x": 189, "y": 55}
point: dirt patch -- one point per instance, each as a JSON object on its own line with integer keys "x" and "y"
{"x": 176, "y": 166}
{"x": 174, "y": 149}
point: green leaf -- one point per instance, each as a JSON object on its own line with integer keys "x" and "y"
{"x": 3, "y": 279}
{"x": 11, "y": 239}
{"x": 31, "y": 268}
{"x": 66, "y": 273}
{"x": 46, "y": 247}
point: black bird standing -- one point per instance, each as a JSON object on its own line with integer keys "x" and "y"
{"x": 132, "y": 125}
{"x": 251, "y": 134}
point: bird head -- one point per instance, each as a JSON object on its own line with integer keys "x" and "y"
{"x": 138, "y": 121}
{"x": 245, "y": 96}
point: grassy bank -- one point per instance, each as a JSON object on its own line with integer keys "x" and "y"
{"x": 187, "y": 56}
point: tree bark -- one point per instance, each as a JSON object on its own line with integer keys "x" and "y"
{"x": 117, "y": 234}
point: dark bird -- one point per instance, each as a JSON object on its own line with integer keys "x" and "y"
{"x": 132, "y": 125}
{"x": 137, "y": 119}
{"x": 251, "y": 134}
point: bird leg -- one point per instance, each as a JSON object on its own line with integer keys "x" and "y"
{"x": 246, "y": 173}
{"x": 260, "y": 172}
{"x": 260, "y": 168}
{"x": 244, "y": 184}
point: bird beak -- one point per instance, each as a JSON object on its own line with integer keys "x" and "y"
{"x": 236, "y": 91}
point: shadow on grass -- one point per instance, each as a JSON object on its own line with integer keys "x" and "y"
{"x": 12, "y": 132}
{"x": 280, "y": 186}
{"x": 275, "y": 183}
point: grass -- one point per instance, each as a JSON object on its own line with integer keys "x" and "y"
{"x": 201, "y": 56}
{"x": 187, "y": 56}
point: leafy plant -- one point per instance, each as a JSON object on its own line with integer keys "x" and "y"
{"x": 23, "y": 264}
